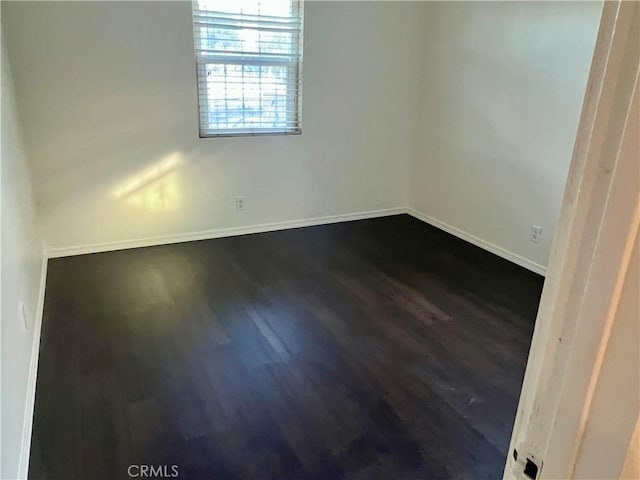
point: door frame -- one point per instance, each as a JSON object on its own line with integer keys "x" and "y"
{"x": 589, "y": 259}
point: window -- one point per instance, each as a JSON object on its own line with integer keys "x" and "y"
{"x": 249, "y": 64}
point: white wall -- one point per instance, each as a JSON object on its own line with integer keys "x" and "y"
{"x": 108, "y": 90}
{"x": 503, "y": 84}
{"x": 467, "y": 111}
{"x": 22, "y": 263}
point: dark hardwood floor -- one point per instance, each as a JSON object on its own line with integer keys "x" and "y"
{"x": 376, "y": 349}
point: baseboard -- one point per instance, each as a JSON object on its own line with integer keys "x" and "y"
{"x": 218, "y": 233}
{"x": 478, "y": 242}
{"x": 23, "y": 465}
{"x": 306, "y": 222}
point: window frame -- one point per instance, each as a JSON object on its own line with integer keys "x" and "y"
{"x": 296, "y": 79}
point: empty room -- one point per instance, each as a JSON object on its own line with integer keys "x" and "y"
{"x": 287, "y": 239}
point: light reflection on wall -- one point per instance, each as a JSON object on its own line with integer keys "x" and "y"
{"x": 155, "y": 188}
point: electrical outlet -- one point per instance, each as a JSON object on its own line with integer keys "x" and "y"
{"x": 536, "y": 233}
{"x": 240, "y": 203}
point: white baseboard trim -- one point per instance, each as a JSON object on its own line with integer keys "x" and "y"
{"x": 478, "y": 242}
{"x": 53, "y": 252}
{"x": 25, "y": 448}
{"x": 218, "y": 233}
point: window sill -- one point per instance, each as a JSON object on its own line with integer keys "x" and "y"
{"x": 297, "y": 131}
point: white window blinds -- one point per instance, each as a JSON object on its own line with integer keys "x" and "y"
{"x": 249, "y": 64}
